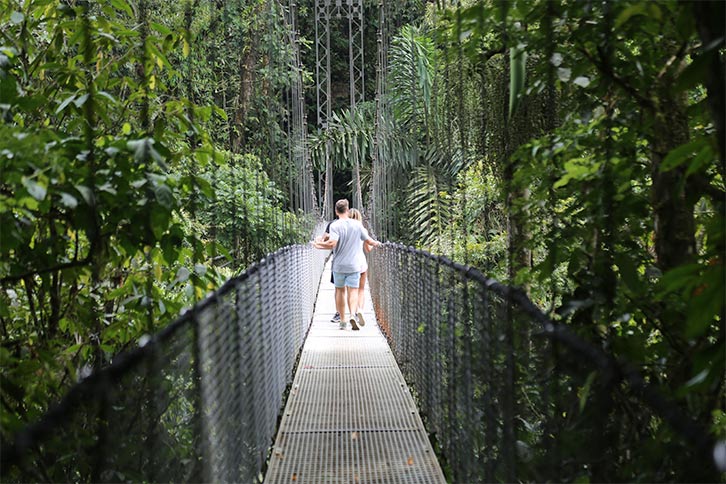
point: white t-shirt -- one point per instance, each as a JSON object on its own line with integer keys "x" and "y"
{"x": 349, "y": 256}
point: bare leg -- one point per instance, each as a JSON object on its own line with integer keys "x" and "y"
{"x": 362, "y": 291}
{"x": 352, "y": 300}
{"x": 340, "y": 302}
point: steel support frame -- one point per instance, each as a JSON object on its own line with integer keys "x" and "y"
{"x": 323, "y": 12}
{"x": 376, "y": 204}
{"x": 355, "y": 52}
{"x": 356, "y": 68}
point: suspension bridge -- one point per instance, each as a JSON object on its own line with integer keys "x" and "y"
{"x": 254, "y": 383}
{"x": 200, "y": 401}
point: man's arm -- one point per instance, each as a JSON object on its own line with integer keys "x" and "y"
{"x": 325, "y": 245}
{"x": 322, "y": 238}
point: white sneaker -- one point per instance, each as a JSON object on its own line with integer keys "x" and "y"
{"x": 361, "y": 321}
{"x": 341, "y": 325}
{"x": 354, "y": 323}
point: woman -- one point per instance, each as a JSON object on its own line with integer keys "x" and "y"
{"x": 355, "y": 215}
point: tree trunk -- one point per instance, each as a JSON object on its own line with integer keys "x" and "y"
{"x": 247, "y": 79}
{"x": 709, "y": 17}
{"x": 672, "y": 201}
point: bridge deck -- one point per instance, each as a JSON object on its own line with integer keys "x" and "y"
{"x": 350, "y": 416}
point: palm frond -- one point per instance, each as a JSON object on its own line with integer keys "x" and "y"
{"x": 429, "y": 206}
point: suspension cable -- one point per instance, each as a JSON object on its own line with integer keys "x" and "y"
{"x": 553, "y": 390}
{"x": 510, "y": 398}
{"x": 463, "y": 119}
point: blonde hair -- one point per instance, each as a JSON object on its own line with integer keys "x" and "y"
{"x": 355, "y": 215}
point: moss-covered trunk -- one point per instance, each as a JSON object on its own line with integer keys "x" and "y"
{"x": 671, "y": 196}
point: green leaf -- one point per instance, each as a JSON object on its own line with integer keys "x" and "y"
{"x": 8, "y": 89}
{"x": 69, "y": 200}
{"x": 678, "y": 278}
{"x": 702, "y": 160}
{"x": 581, "y": 81}
{"x": 220, "y": 112}
{"x": 17, "y": 17}
{"x": 706, "y": 302}
{"x": 698, "y": 379}
{"x": 164, "y": 196}
{"x": 628, "y": 272}
{"x": 65, "y": 103}
{"x": 577, "y": 169}
{"x": 564, "y": 74}
{"x": 160, "y": 218}
{"x": 696, "y": 72}
{"x": 585, "y": 390}
{"x": 123, "y": 6}
{"x": 81, "y": 100}
{"x": 633, "y": 10}
{"x": 162, "y": 29}
{"x": 143, "y": 149}
{"x": 35, "y": 189}
{"x": 182, "y": 275}
{"x": 86, "y": 192}
{"x": 677, "y": 156}
{"x": 108, "y": 96}
{"x": 654, "y": 11}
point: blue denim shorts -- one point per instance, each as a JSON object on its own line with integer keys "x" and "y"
{"x": 350, "y": 279}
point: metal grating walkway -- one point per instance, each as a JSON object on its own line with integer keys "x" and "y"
{"x": 350, "y": 416}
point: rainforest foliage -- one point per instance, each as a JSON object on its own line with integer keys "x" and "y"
{"x": 573, "y": 149}
{"x": 576, "y": 150}
{"x": 141, "y": 166}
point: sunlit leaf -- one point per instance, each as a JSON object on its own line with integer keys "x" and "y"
{"x": 17, "y": 17}
{"x": 36, "y": 189}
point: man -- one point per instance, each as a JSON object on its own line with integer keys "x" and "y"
{"x": 345, "y": 237}
{"x": 323, "y": 238}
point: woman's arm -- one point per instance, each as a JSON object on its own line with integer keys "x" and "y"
{"x": 369, "y": 244}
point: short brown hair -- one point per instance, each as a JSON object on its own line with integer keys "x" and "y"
{"x": 341, "y": 206}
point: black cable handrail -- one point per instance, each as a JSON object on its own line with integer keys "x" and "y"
{"x": 199, "y": 400}
{"x": 196, "y": 402}
{"x": 459, "y": 336}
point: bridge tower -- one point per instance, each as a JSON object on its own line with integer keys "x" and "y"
{"x": 356, "y": 68}
{"x": 325, "y": 12}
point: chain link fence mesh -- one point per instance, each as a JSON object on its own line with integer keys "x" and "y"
{"x": 508, "y": 395}
{"x": 199, "y": 402}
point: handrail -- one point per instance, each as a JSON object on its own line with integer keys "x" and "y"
{"x": 509, "y": 394}
{"x": 199, "y": 401}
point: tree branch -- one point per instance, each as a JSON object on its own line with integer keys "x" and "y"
{"x": 66, "y": 265}
{"x": 606, "y": 69}
{"x": 674, "y": 58}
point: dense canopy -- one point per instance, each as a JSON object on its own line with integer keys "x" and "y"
{"x": 152, "y": 149}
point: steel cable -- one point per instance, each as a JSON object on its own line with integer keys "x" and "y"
{"x": 197, "y": 402}
{"x": 446, "y": 325}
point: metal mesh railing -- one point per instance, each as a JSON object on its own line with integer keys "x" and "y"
{"x": 198, "y": 402}
{"x": 508, "y": 395}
